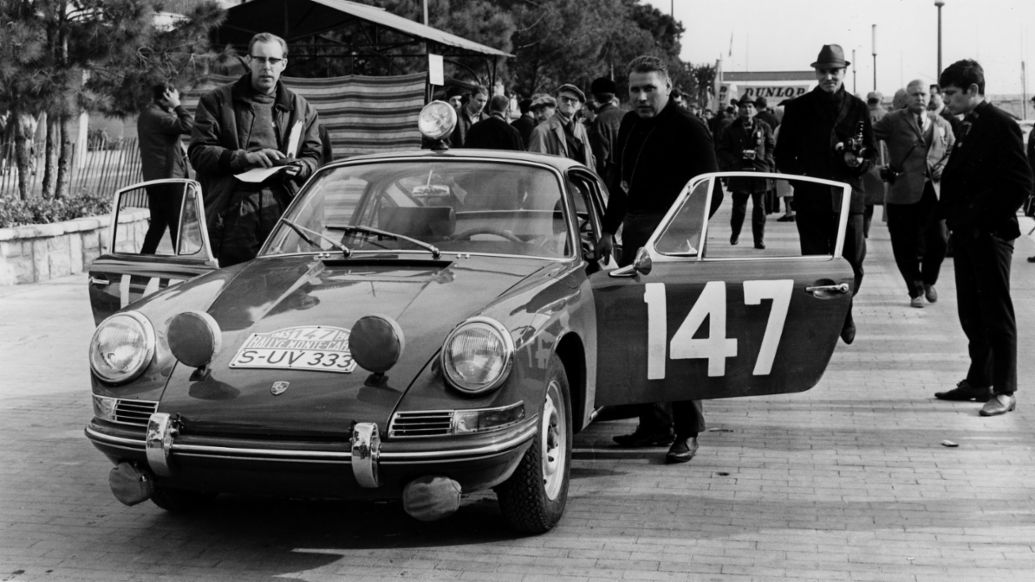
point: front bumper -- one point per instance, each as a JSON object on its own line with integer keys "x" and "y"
{"x": 363, "y": 466}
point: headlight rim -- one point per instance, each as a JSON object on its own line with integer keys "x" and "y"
{"x": 150, "y": 346}
{"x": 508, "y": 356}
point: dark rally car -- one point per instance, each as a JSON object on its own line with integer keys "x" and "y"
{"x": 424, "y": 324}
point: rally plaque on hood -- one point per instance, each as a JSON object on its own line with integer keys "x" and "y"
{"x": 319, "y": 348}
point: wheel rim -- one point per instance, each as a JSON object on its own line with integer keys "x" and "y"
{"x": 553, "y": 442}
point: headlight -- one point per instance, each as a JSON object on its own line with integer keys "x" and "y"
{"x": 478, "y": 355}
{"x": 121, "y": 347}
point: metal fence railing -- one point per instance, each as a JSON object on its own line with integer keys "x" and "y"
{"x": 102, "y": 169}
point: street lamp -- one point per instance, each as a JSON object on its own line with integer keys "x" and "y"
{"x": 873, "y": 40}
{"x": 939, "y": 4}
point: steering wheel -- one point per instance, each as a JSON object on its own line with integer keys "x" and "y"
{"x": 467, "y": 234}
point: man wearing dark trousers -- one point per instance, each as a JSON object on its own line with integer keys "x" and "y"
{"x": 984, "y": 183}
{"x": 747, "y": 144}
{"x": 826, "y": 133}
{"x": 159, "y": 128}
{"x": 918, "y": 147}
{"x": 660, "y": 147}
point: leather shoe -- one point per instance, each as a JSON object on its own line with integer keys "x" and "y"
{"x": 965, "y": 392}
{"x": 930, "y": 293}
{"x": 734, "y": 239}
{"x": 786, "y": 218}
{"x": 643, "y": 439}
{"x": 760, "y": 245}
{"x": 999, "y": 404}
{"x": 1031, "y": 259}
{"x": 917, "y": 301}
{"x": 681, "y": 451}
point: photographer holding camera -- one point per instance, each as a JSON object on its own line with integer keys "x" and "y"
{"x": 918, "y": 147}
{"x": 747, "y": 144}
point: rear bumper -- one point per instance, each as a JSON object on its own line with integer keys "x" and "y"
{"x": 361, "y": 467}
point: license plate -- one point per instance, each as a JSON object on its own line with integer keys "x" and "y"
{"x": 319, "y": 348}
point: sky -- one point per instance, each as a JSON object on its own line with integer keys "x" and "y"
{"x": 777, "y": 35}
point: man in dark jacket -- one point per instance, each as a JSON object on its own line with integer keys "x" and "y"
{"x": 826, "y": 133}
{"x": 254, "y": 123}
{"x": 159, "y": 128}
{"x": 747, "y": 144}
{"x": 984, "y": 183}
{"x": 494, "y": 132}
{"x": 660, "y": 148}
{"x": 603, "y": 132}
{"x": 526, "y": 122}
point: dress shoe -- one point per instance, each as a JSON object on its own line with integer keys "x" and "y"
{"x": 786, "y": 218}
{"x": 1031, "y": 259}
{"x": 848, "y": 331}
{"x": 681, "y": 451}
{"x": 917, "y": 301}
{"x": 930, "y": 293}
{"x": 999, "y": 404}
{"x": 965, "y": 392}
{"x": 760, "y": 245}
{"x": 643, "y": 439}
{"x": 734, "y": 239}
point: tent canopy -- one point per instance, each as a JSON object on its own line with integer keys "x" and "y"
{"x": 295, "y": 20}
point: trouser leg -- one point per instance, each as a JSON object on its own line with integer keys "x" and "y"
{"x": 934, "y": 237}
{"x": 738, "y": 213}
{"x": 688, "y": 417}
{"x": 757, "y": 217}
{"x": 902, "y": 226}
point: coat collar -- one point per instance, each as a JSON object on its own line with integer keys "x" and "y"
{"x": 242, "y": 90}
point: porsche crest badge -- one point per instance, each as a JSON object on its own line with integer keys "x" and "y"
{"x": 279, "y": 387}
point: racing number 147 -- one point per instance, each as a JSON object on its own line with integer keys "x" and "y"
{"x": 715, "y": 346}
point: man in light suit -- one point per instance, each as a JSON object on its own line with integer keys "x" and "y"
{"x": 562, "y": 134}
{"x": 918, "y": 147}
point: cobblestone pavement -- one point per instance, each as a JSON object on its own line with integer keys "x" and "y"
{"x": 848, "y": 481}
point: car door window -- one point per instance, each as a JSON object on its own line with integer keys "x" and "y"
{"x": 176, "y": 209}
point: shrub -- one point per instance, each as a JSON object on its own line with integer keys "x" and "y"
{"x": 14, "y": 212}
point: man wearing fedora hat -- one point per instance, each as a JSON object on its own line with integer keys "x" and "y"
{"x": 562, "y": 135}
{"x": 747, "y": 144}
{"x": 813, "y": 126}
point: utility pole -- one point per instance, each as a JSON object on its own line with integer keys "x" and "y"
{"x": 874, "y": 41}
{"x": 855, "y": 67}
{"x": 939, "y": 4}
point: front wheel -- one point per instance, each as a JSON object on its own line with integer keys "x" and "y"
{"x": 533, "y": 498}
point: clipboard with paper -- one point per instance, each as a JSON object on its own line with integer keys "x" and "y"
{"x": 260, "y": 175}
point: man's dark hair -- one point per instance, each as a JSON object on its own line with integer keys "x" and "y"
{"x": 525, "y": 105}
{"x": 479, "y": 89}
{"x": 648, "y": 64}
{"x": 963, "y": 74}
{"x": 158, "y": 91}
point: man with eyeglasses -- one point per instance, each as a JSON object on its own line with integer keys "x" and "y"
{"x": 255, "y": 122}
{"x": 562, "y": 134}
{"x": 818, "y": 138}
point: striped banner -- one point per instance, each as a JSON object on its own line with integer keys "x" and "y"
{"x": 361, "y": 114}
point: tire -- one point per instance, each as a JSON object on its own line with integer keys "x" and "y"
{"x": 532, "y": 500}
{"x": 180, "y": 500}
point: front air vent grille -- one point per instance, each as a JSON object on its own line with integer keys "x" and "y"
{"x": 428, "y": 423}
{"x": 134, "y": 412}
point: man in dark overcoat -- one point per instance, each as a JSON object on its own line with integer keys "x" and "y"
{"x": 159, "y": 128}
{"x": 494, "y": 132}
{"x": 826, "y": 133}
{"x": 747, "y": 145}
{"x": 660, "y": 147}
{"x": 985, "y": 181}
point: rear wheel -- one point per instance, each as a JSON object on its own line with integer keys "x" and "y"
{"x": 533, "y": 498}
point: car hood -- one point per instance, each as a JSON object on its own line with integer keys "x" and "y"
{"x": 272, "y": 298}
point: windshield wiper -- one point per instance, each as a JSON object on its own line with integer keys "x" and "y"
{"x": 435, "y": 253}
{"x": 301, "y": 231}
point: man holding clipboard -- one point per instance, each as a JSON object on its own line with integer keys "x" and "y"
{"x": 254, "y": 143}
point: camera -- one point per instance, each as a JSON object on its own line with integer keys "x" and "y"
{"x": 889, "y": 174}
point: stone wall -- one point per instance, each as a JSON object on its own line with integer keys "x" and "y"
{"x": 44, "y": 251}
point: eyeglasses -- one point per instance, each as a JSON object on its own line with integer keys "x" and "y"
{"x": 274, "y": 61}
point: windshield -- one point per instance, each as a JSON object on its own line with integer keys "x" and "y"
{"x": 485, "y": 207}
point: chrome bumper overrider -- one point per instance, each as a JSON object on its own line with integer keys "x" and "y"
{"x": 366, "y": 455}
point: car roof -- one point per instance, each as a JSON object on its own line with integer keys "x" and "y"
{"x": 557, "y": 162}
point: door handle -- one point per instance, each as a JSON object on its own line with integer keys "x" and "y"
{"x": 99, "y": 282}
{"x": 828, "y": 290}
